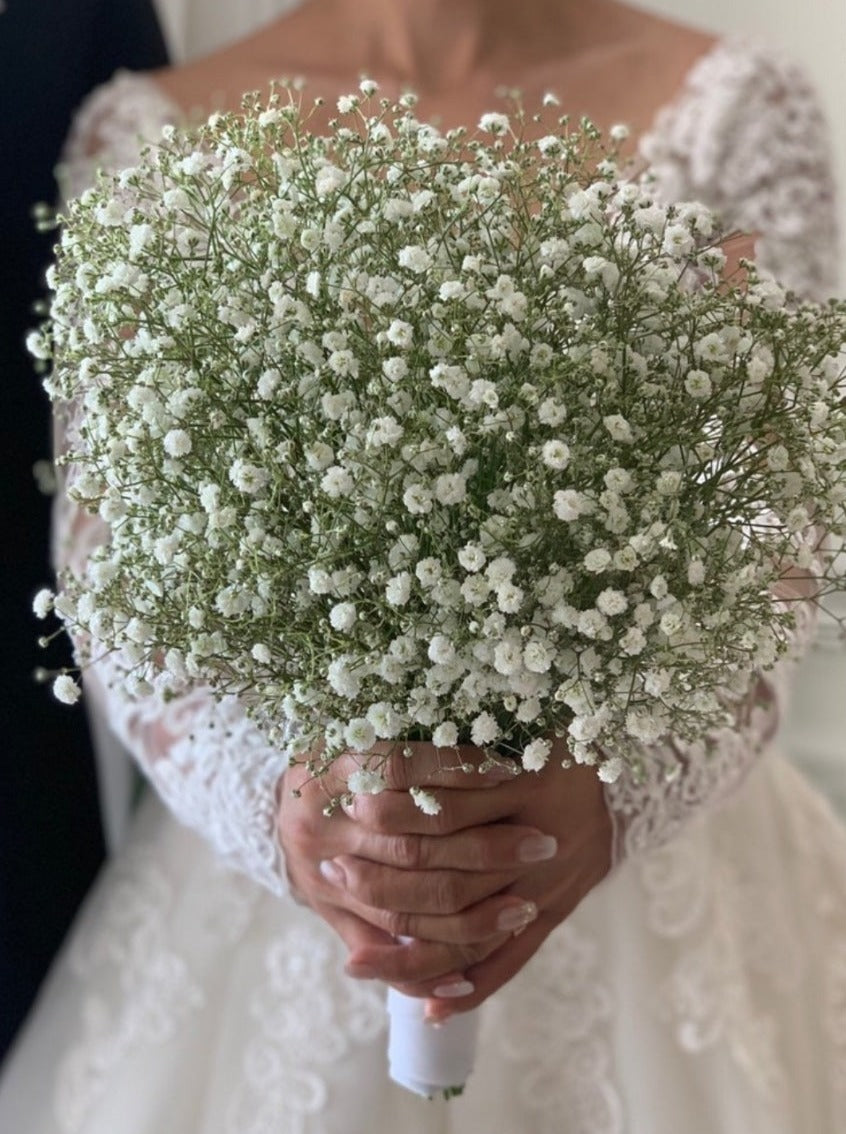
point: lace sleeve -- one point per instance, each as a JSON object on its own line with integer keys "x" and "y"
{"x": 748, "y": 139}
{"x": 210, "y": 764}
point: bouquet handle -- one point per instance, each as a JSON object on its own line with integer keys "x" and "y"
{"x": 426, "y": 1059}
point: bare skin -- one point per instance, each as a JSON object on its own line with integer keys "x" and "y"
{"x": 459, "y": 884}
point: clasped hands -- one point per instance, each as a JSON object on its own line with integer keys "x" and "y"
{"x": 447, "y": 907}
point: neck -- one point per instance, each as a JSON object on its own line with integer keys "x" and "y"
{"x": 432, "y": 43}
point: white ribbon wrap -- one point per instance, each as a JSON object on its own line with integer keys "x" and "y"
{"x": 426, "y": 1059}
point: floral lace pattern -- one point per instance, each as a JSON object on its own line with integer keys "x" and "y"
{"x": 533, "y": 1037}
{"x": 301, "y": 996}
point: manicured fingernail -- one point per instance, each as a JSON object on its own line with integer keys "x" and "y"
{"x": 454, "y": 989}
{"x": 333, "y": 873}
{"x": 537, "y": 848}
{"x": 435, "y": 1016}
{"x": 516, "y": 917}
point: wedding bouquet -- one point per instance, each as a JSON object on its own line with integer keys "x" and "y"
{"x": 450, "y": 436}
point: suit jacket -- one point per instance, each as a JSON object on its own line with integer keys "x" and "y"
{"x": 52, "y": 53}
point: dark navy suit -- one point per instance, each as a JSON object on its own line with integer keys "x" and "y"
{"x": 52, "y": 53}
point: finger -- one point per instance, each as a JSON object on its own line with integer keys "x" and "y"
{"x": 492, "y": 972}
{"x": 502, "y": 913}
{"x": 435, "y": 892}
{"x": 465, "y": 767}
{"x": 417, "y": 967}
{"x": 395, "y": 812}
{"x": 499, "y": 846}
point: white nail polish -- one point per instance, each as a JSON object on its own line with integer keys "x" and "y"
{"x": 332, "y": 872}
{"x": 453, "y": 990}
{"x": 537, "y": 848}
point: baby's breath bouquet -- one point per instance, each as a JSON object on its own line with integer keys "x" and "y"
{"x": 451, "y": 436}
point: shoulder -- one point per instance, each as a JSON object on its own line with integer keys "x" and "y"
{"x": 111, "y": 125}
{"x": 743, "y": 109}
{"x": 747, "y": 136}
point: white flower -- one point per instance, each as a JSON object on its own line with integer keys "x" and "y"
{"x": 395, "y": 369}
{"x": 509, "y": 598}
{"x": 475, "y": 589}
{"x": 384, "y": 431}
{"x": 177, "y": 443}
{"x": 414, "y": 258}
{"x": 778, "y": 458}
{"x": 538, "y": 656}
{"x": 417, "y": 499}
{"x": 535, "y": 755}
{"x": 597, "y": 560}
{"x": 66, "y": 690}
{"x": 619, "y": 428}
{"x": 428, "y": 571}
{"x": 337, "y": 482}
{"x": 493, "y": 123}
{"x": 343, "y": 615}
{"x": 400, "y": 334}
{"x": 484, "y": 730}
{"x": 508, "y": 657}
{"x": 500, "y": 570}
{"x": 569, "y": 505}
{"x": 398, "y": 589}
{"x": 471, "y": 557}
{"x": 668, "y": 483}
{"x": 450, "y": 488}
{"x": 445, "y": 735}
{"x": 247, "y": 477}
{"x": 260, "y": 652}
{"x": 612, "y": 602}
{"x": 633, "y": 642}
{"x": 610, "y": 770}
{"x": 556, "y": 455}
{"x": 696, "y": 573}
{"x": 425, "y": 801}
{"x": 441, "y": 650}
{"x": 360, "y": 734}
{"x": 551, "y": 412}
{"x": 42, "y": 604}
{"x": 698, "y": 384}
{"x": 366, "y": 782}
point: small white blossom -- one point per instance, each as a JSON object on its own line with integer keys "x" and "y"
{"x": 343, "y": 616}
{"x": 177, "y": 443}
{"x": 42, "y": 604}
{"x": 445, "y": 735}
{"x": 366, "y": 782}
{"x": 536, "y": 755}
{"x": 493, "y": 123}
{"x": 556, "y": 455}
{"x": 484, "y": 730}
{"x": 619, "y": 429}
{"x": 425, "y": 801}
{"x": 398, "y": 589}
{"x": 66, "y": 690}
{"x": 360, "y": 735}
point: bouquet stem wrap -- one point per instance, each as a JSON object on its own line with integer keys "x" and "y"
{"x": 429, "y": 1060}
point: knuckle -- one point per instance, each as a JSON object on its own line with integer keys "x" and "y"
{"x": 409, "y": 853}
{"x": 397, "y": 923}
{"x": 447, "y": 893}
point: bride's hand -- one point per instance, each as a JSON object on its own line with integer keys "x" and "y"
{"x": 443, "y": 867}
{"x": 505, "y": 854}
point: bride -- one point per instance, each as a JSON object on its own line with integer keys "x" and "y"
{"x": 679, "y": 959}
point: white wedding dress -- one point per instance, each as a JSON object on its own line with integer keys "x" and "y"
{"x": 701, "y": 989}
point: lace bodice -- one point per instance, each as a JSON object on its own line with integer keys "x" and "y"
{"x": 746, "y": 136}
